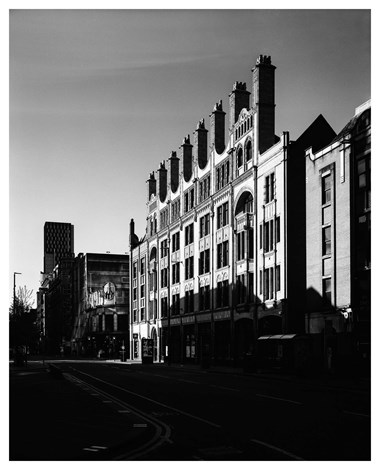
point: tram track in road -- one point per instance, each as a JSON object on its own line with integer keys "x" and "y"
{"x": 161, "y": 433}
{"x": 148, "y": 399}
{"x": 200, "y": 450}
{"x": 210, "y": 430}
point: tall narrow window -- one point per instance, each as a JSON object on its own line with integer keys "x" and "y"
{"x": 222, "y": 215}
{"x": 269, "y": 188}
{"x": 250, "y": 243}
{"x": 240, "y": 245}
{"x": 219, "y": 217}
{"x": 326, "y": 289}
{"x": 175, "y": 242}
{"x": 189, "y": 234}
{"x": 164, "y": 248}
{"x": 268, "y": 284}
{"x": 261, "y": 236}
{"x": 134, "y": 270}
{"x": 278, "y": 278}
{"x": 189, "y": 267}
{"x": 326, "y": 189}
{"x": 164, "y": 307}
{"x": 278, "y": 230}
{"x": 225, "y": 214}
{"x": 189, "y": 301}
{"x": 250, "y": 287}
{"x": 326, "y": 240}
{"x": 240, "y": 157}
{"x": 222, "y": 254}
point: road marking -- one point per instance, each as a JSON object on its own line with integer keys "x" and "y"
{"x": 224, "y": 388}
{"x": 356, "y": 414}
{"x": 188, "y": 381}
{"x": 277, "y": 449}
{"x": 140, "y": 425}
{"x": 280, "y": 399}
{"x": 162, "y": 430}
{"x": 184, "y": 413}
{"x": 28, "y": 373}
{"x": 220, "y": 451}
{"x": 90, "y": 449}
{"x": 99, "y": 447}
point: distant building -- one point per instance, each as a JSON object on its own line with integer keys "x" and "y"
{"x": 101, "y": 305}
{"x": 338, "y": 208}
{"x": 222, "y": 262}
{"x": 58, "y": 243}
{"x": 58, "y": 308}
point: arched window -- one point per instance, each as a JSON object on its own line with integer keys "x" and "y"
{"x": 245, "y": 204}
{"x": 153, "y": 254}
{"x": 244, "y": 226}
{"x": 248, "y": 151}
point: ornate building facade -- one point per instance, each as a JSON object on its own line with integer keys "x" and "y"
{"x": 223, "y": 259}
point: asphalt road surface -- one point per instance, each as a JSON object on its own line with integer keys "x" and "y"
{"x": 173, "y": 413}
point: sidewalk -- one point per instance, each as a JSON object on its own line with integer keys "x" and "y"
{"x": 53, "y": 419}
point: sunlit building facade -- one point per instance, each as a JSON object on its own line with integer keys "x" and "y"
{"x": 222, "y": 261}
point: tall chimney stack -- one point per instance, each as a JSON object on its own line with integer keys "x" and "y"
{"x": 200, "y": 145}
{"x": 162, "y": 181}
{"x": 133, "y": 238}
{"x": 187, "y": 158}
{"x": 174, "y": 171}
{"x": 239, "y": 99}
{"x": 217, "y": 123}
{"x": 263, "y": 101}
{"x": 151, "y": 185}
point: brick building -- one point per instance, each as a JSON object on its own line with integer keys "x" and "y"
{"x": 222, "y": 261}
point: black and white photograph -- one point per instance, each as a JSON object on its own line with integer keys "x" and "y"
{"x": 189, "y": 245}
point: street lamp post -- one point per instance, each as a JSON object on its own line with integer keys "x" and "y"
{"x": 167, "y": 249}
{"x": 14, "y": 291}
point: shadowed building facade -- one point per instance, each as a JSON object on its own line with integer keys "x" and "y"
{"x": 100, "y": 305}
{"x": 223, "y": 259}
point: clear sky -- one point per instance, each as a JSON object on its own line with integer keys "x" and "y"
{"x": 99, "y": 97}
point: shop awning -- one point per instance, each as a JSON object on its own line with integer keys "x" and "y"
{"x": 288, "y": 336}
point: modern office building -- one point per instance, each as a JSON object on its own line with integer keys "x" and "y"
{"x": 222, "y": 262}
{"x": 101, "y": 305}
{"x": 58, "y": 243}
{"x": 338, "y": 208}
